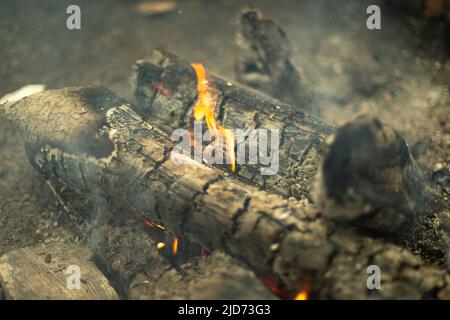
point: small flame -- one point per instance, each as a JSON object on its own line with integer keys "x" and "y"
{"x": 204, "y": 109}
{"x": 302, "y": 295}
{"x": 174, "y": 245}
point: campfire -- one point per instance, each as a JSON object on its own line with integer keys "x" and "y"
{"x": 199, "y": 186}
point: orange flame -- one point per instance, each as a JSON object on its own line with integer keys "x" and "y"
{"x": 174, "y": 245}
{"x": 204, "y": 109}
{"x": 302, "y": 295}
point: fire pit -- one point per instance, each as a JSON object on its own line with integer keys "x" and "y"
{"x": 317, "y": 169}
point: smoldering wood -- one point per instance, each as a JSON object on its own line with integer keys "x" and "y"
{"x": 368, "y": 165}
{"x": 216, "y": 277}
{"x": 165, "y": 89}
{"x": 120, "y": 251}
{"x": 264, "y": 60}
{"x": 369, "y": 176}
{"x": 284, "y": 239}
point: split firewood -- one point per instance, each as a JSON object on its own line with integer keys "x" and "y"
{"x": 264, "y": 60}
{"x": 133, "y": 168}
{"x": 213, "y": 277}
{"x": 165, "y": 89}
{"x": 53, "y": 271}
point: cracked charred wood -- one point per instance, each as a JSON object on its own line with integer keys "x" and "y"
{"x": 216, "y": 276}
{"x": 165, "y": 88}
{"x": 369, "y": 176}
{"x": 264, "y": 60}
{"x": 369, "y": 166}
{"x": 132, "y": 168}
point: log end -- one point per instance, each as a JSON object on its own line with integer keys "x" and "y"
{"x": 368, "y": 170}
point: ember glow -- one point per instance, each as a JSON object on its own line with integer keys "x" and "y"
{"x": 204, "y": 109}
{"x": 160, "y": 245}
{"x": 302, "y": 295}
{"x": 153, "y": 224}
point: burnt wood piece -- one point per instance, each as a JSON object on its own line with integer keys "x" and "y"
{"x": 264, "y": 60}
{"x": 212, "y": 277}
{"x": 165, "y": 89}
{"x": 369, "y": 176}
{"x": 49, "y": 272}
{"x": 368, "y": 166}
{"x": 285, "y": 240}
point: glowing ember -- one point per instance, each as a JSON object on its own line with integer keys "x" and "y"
{"x": 175, "y": 245}
{"x": 153, "y": 224}
{"x": 204, "y": 109}
{"x": 270, "y": 282}
{"x": 160, "y": 245}
{"x": 303, "y": 295}
{"x": 163, "y": 90}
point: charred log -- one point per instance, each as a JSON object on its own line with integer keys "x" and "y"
{"x": 165, "y": 88}
{"x": 369, "y": 176}
{"x": 285, "y": 240}
{"x": 369, "y": 165}
{"x": 264, "y": 60}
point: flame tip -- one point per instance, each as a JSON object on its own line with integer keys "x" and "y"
{"x": 205, "y": 109}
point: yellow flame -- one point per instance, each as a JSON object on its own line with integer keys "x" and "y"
{"x": 302, "y": 295}
{"x": 204, "y": 109}
{"x": 175, "y": 245}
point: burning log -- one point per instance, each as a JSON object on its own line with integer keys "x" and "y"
{"x": 264, "y": 60}
{"x": 132, "y": 168}
{"x": 302, "y": 143}
{"x": 165, "y": 88}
